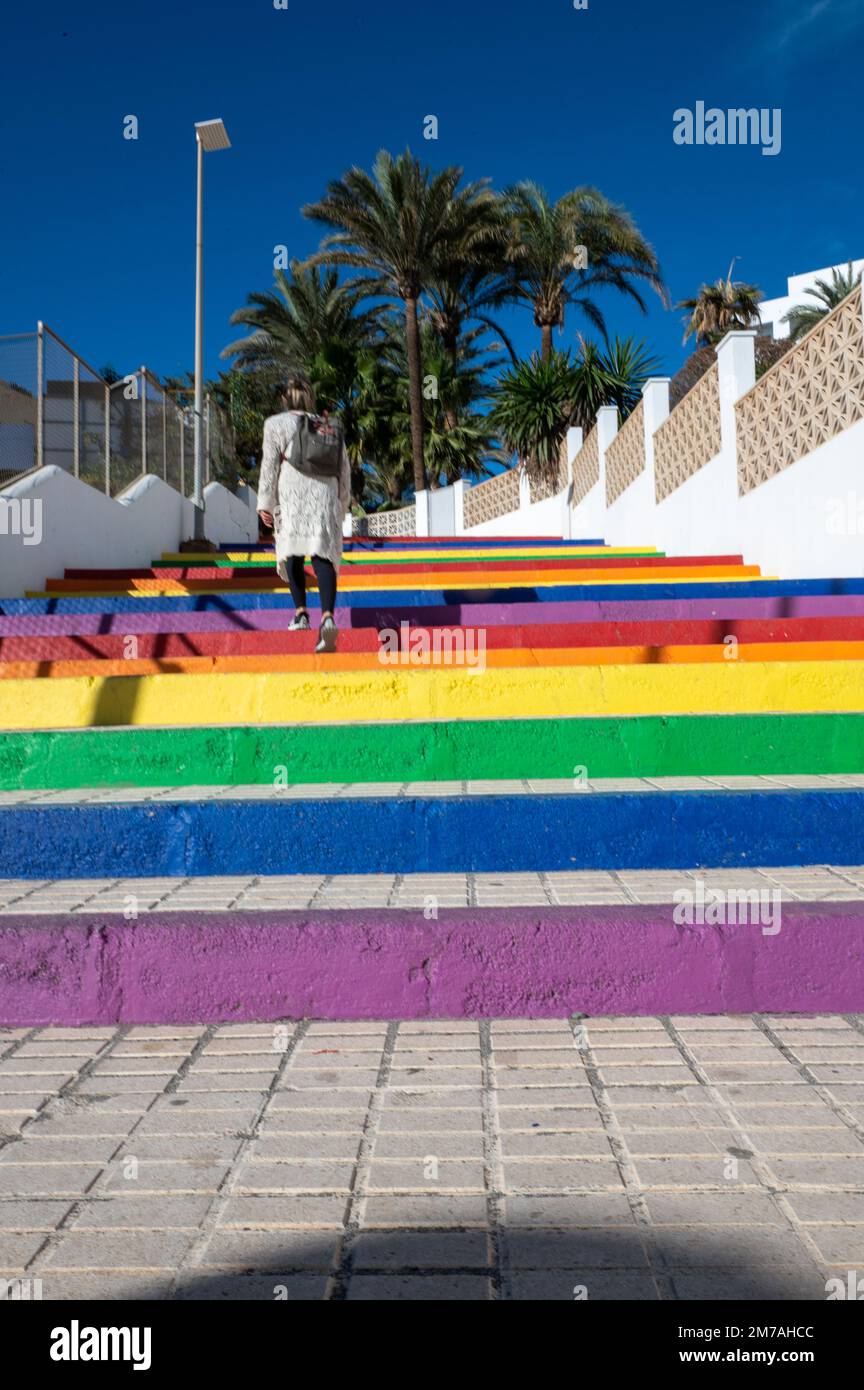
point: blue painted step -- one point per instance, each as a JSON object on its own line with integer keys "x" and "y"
{"x": 408, "y": 598}
{"x": 594, "y": 830}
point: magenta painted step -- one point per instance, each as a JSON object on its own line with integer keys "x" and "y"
{"x": 188, "y": 968}
{"x": 468, "y": 614}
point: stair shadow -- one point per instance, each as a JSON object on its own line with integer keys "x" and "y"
{"x": 118, "y": 697}
{"x": 540, "y": 1264}
{"x": 522, "y": 595}
{"x": 437, "y": 616}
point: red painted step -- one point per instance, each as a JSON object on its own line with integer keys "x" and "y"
{"x": 115, "y": 646}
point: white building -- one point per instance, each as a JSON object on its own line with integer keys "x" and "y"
{"x": 772, "y": 311}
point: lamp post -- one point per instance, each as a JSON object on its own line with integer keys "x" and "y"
{"x": 209, "y": 135}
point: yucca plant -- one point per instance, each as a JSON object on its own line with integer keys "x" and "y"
{"x": 536, "y": 402}
{"x": 533, "y": 405}
{"x": 627, "y": 364}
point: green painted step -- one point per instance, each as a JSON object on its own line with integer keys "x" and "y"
{"x": 639, "y": 746}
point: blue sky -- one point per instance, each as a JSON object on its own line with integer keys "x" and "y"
{"x": 98, "y": 231}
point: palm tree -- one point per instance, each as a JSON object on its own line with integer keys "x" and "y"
{"x": 721, "y": 307}
{"x": 461, "y": 292}
{"x": 361, "y": 387}
{"x": 387, "y": 477}
{"x": 458, "y": 295}
{"x": 302, "y": 313}
{"x": 396, "y": 224}
{"x": 547, "y": 268}
{"x": 457, "y": 441}
{"x": 828, "y": 294}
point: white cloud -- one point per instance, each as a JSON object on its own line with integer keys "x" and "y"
{"x": 795, "y": 31}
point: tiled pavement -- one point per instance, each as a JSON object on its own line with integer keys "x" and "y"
{"x": 266, "y": 791}
{"x": 812, "y": 883}
{"x": 681, "y": 1158}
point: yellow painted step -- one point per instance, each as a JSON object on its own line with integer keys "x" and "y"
{"x": 447, "y": 692}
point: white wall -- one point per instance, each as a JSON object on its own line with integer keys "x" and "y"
{"x": 227, "y": 516}
{"x": 551, "y": 517}
{"x": 772, "y": 310}
{"x": 806, "y": 522}
{"x": 442, "y": 511}
{"x": 547, "y": 518}
{"x": 79, "y": 527}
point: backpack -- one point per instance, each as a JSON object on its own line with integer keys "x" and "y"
{"x": 316, "y": 449}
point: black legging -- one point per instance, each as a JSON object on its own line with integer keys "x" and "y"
{"x": 325, "y": 575}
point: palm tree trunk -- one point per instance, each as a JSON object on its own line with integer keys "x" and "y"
{"x": 451, "y": 340}
{"x": 415, "y": 393}
{"x": 546, "y": 341}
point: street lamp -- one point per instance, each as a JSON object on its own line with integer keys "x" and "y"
{"x": 209, "y": 135}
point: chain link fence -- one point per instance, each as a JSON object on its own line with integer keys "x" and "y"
{"x": 56, "y": 409}
{"x": 19, "y": 413}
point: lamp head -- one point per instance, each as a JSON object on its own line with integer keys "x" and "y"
{"x": 212, "y": 135}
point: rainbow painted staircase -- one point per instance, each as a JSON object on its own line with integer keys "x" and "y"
{"x": 423, "y": 823}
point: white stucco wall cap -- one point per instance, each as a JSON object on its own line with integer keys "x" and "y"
{"x": 736, "y": 333}
{"x": 139, "y": 487}
{"x": 32, "y": 480}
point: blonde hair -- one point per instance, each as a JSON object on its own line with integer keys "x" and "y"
{"x": 298, "y": 394}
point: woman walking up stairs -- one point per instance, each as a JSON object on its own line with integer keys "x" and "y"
{"x": 304, "y": 492}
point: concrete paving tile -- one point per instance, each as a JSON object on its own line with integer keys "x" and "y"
{"x": 421, "y": 1250}
{"x": 269, "y": 1251}
{"x": 115, "y": 1250}
{"x": 768, "y": 1284}
{"x": 234, "y": 1288}
{"x": 115, "y": 1286}
{"x": 594, "y": 1286}
{"x": 586, "y": 1210}
{"x": 461, "y": 1288}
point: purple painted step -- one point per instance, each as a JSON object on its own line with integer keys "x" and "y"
{"x": 188, "y": 967}
{"x": 469, "y": 615}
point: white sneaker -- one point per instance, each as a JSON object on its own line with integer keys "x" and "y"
{"x": 327, "y": 635}
{"x": 299, "y": 623}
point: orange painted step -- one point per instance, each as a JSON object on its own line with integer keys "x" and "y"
{"x": 495, "y": 657}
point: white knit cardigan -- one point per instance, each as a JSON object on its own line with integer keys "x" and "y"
{"x": 307, "y": 512}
